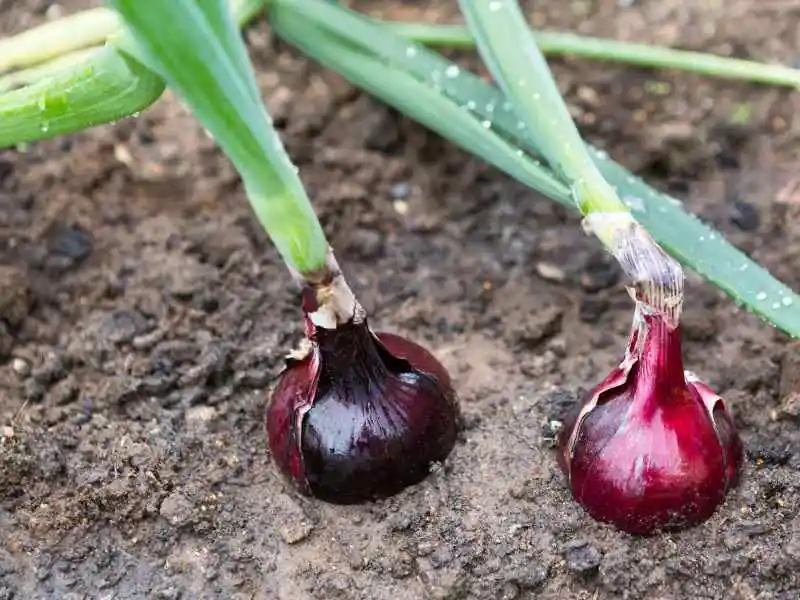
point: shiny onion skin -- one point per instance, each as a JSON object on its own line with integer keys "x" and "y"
{"x": 361, "y": 416}
{"x": 653, "y": 449}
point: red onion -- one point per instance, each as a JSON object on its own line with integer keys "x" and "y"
{"x": 653, "y": 448}
{"x": 357, "y": 416}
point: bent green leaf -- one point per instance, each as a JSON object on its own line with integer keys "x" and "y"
{"x": 104, "y": 86}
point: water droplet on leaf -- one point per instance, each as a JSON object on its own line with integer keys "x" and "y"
{"x": 634, "y": 203}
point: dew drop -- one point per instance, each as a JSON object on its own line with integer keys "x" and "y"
{"x": 537, "y": 96}
{"x": 490, "y": 107}
{"x": 507, "y": 105}
{"x": 45, "y": 127}
{"x": 452, "y": 71}
{"x": 520, "y": 125}
{"x": 776, "y": 305}
{"x": 761, "y": 296}
{"x": 486, "y": 124}
{"x": 786, "y": 301}
{"x": 471, "y": 105}
{"x": 411, "y": 52}
{"x": 634, "y": 203}
{"x": 495, "y": 5}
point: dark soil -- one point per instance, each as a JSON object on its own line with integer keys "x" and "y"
{"x": 145, "y": 316}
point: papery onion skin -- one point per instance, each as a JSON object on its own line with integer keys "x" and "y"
{"x": 658, "y": 451}
{"x": 363, "y": 416}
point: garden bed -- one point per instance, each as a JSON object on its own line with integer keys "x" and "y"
{"x": 145, "y": 316}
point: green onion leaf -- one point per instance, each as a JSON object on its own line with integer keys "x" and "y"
{"x": 507, "y": 47}
{"x": 557, "y": 43}
{"x": 56, "y": 38}
{"x": 681, "y": 234}
{"x": 103, "y": 86}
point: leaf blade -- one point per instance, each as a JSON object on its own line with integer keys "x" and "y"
{"x": 715, "y": 259}
{"x": 106, "y": 85}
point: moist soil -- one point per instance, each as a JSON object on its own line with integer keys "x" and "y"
{"x": 145, "y": 318}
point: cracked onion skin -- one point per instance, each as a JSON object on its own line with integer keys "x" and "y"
{"x": 653, "y": 449}
{"x": 362, "y": 416}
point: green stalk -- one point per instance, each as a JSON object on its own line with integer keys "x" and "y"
{"x": 31, "y": 75}
{"x": 104, "y": 86}
{"x": 644, "y": 55}
{"x": 82, "y": 30}
{"x": 70, "y": 33}
{"x": 87, "y": 87}
{"x": 199, "y": 52}
{"x": 511, "y": 54}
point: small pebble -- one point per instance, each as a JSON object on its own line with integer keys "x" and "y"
{"x": 400, "y": 207}
{"x": 601, "y": 272}
{"x": 200, "y": 415}
{"x": 294, "y": 533}
{"x": 70, "y": 241}
{"x": 400, "y": 191}
{"x": 176, "y": 509}
{"x": 582, "y": 557}
{"x": 550, "y": 272}
{"x": 745, "y": 216}
{"x": 148, "y": 340}
{"x": 21, "y": 367}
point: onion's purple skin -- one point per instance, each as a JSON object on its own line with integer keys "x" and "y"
{"x": 362, "y": 416}
{"x": 654, "y": 450}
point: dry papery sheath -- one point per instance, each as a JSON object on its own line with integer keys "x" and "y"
{"x": 652, "y": 447}
{"x": 357, "y": 415}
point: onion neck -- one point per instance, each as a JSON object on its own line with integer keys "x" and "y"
{"x": 350, "y": 356}
{"x": 660, "y": 365}
{"x": 326, "y": 298}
